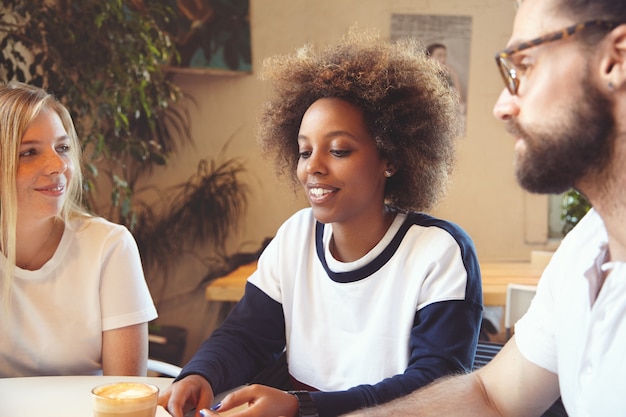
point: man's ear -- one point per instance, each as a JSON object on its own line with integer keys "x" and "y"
{"x": 613, "y": 64}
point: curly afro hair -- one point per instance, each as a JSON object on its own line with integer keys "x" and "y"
{"x": 409, "y": 108}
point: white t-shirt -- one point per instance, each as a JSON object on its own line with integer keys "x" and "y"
{"x": 575, "y": 331}
{"x": 94, "y": 282}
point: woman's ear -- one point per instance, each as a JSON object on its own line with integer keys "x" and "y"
{"x": 613, "y": 64}
{"x": 389, "y": 170}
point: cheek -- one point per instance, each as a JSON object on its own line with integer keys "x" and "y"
{"x": 364, "y": 179}
{"x": 550, "y": 86}
{"x": 377, "y": 178}
{"x": 23, "y": 177}
{"x": 69, "y": 170}
{"x": 301, "y": 171}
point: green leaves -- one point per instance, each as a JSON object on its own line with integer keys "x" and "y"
{"x": 103, "y": 60}
{"x": 202, "y": 212}
{"x": 574, "y": 207}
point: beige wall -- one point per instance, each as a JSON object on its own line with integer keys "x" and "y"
{"x": 484, "y": 197}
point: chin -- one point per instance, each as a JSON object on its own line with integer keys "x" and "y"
{"x": 321, "y": 215}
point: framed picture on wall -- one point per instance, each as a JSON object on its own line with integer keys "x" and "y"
{"x": 447, "y": 39}
{"x": 211, "y": 36}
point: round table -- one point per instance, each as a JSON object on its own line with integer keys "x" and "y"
{"x": 60, "y": 396}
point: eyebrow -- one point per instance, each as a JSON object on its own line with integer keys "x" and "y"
{"x": 515, "y": 42}
{"x": 37, "y": 140}
{"x": 332, "y": 134}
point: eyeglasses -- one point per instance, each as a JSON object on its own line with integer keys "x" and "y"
{"x": 507, "y": 67}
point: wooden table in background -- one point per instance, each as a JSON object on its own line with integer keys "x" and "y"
{"x": 496, "y": 276}
{"x": 230, "y": 287}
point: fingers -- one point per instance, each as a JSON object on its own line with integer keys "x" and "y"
{"x": 260, "y": 401}
{"x": 205, "y": 412}
{"x": 175, "y": 408}
{"x": 205, "y": 400}
{"x": 236, "y": 398}
{"x": 164, "y": 401}
{"x": 190, "y": 392}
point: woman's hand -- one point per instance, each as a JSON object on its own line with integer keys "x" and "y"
{"x": 192, "y": 391}
{"x": 262, "y": 402}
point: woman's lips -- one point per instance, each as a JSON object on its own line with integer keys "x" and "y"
{"x": 53, "y": 189}
{"x": 319, "y": 194}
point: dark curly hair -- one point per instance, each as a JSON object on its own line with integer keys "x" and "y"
{"x": 407, "y": 104}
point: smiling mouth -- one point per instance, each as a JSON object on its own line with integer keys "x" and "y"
{"x": 319, "y": 192}
{"x": 54, "y": 188}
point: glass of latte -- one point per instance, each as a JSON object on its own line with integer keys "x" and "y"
{"x": 125, "y": 399}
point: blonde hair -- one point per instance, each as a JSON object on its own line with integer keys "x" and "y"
{"x": 20, "y": 104}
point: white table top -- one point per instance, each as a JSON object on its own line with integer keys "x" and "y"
{"x": 60, "y": 396}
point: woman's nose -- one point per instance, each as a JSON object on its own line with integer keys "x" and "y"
{"x": 54, "y": 163}
{"x": 315, "y": 164}
{"x": 506, "y": 106}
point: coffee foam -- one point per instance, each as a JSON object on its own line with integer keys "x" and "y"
{"x": 125, "y": 397}
{"x": 124, "y": 390}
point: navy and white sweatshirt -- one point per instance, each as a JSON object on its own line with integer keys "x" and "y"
{"x": 363, "y": 332}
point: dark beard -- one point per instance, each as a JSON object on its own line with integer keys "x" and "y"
{"x": 557, "y": 157}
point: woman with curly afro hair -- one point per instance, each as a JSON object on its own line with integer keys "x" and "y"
{"x": 367, "y": 297}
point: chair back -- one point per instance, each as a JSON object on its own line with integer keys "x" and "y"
{"x": 518, "y": 299}
{"x": 161, "y": 368}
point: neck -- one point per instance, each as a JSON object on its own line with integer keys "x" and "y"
{"x": 36, "y": 243}
{"x": 351, "y": 243}
{"x": 605, "y": 191}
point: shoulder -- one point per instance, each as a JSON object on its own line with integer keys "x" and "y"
{"x": 302, "y": 216}
{"x": 297, "y": 223}
{"x": 581, "y": 248}
{"x": 446, "y": 241}
{"x": 441, "y": 226}
{"x": 293, "y": 236}
{"x": 87, "y": 227}
{"x": 585, "y": 240}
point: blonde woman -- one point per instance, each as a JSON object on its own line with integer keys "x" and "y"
{"x": 74, "y": 298}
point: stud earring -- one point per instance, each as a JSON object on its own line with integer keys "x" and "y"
{"x": 611, "y": 86}
{"x": 388, "y": 173}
